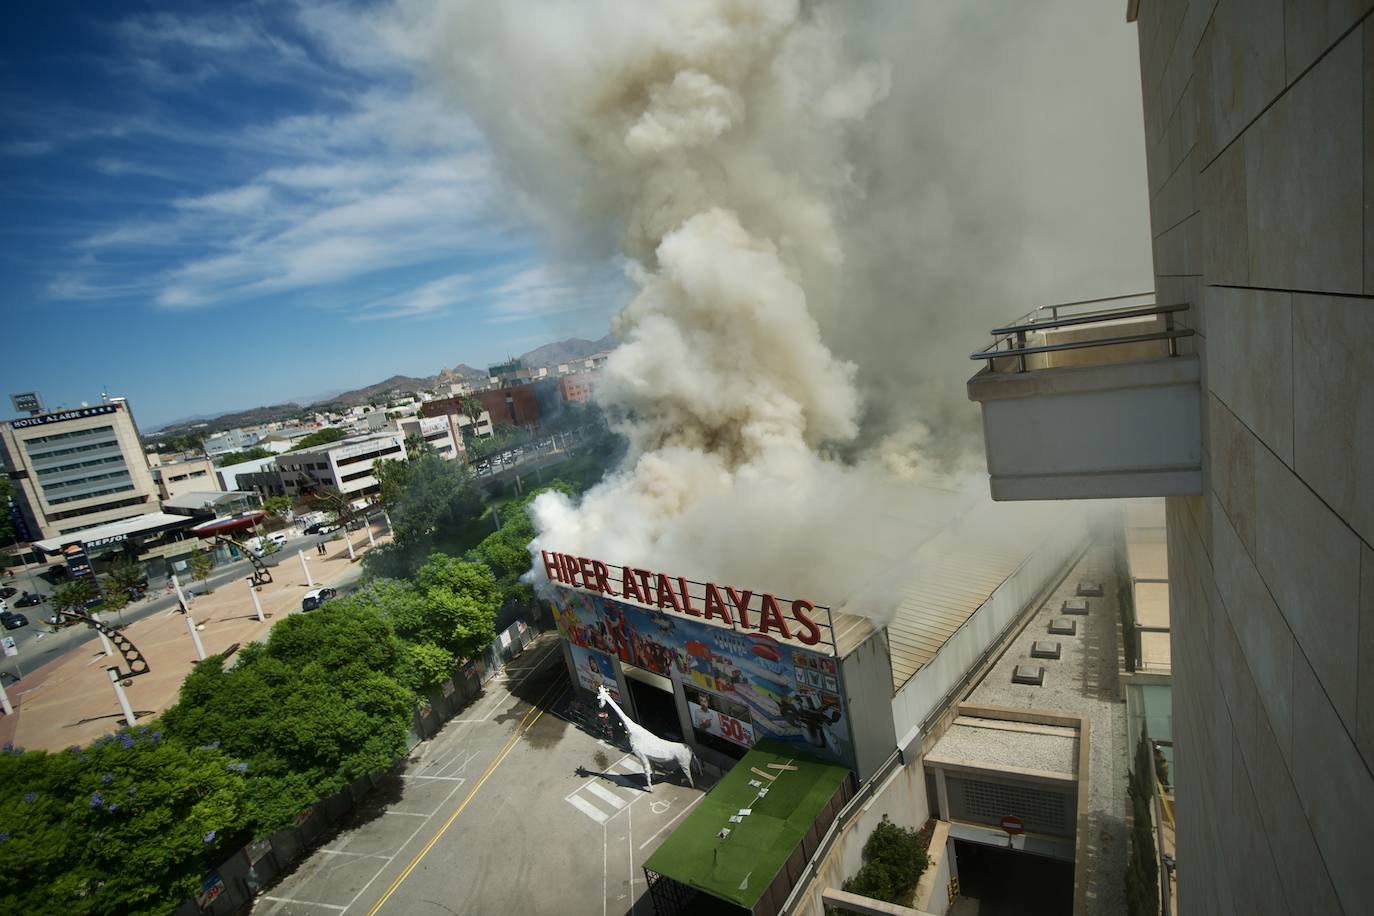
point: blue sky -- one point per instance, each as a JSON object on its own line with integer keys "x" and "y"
{"x": 215, "y": 206}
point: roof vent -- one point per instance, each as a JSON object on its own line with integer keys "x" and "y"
{"x": 1077, "y": 606}
{"x": 1063, "y": 626}
{"x": 1028, "y": 674}
{"x": 1090, "y": 589}
{"x": 1045, "y": 648}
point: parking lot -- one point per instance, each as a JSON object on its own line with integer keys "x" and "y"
{"x": 511, "y": 808}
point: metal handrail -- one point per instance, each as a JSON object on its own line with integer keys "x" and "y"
{"x": 1054, "y": 308}
{"x": 1092, "y": 318}
{"x": 1015, "y": 333}
{"x": 1087, "y": 344}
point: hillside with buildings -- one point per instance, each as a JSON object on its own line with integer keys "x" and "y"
{"x": 550, "y": 357}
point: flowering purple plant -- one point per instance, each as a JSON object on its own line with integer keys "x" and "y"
{"x": 209, "y": 837}
{"x": 106, "y": 779}
{"x": 97, "y": 800}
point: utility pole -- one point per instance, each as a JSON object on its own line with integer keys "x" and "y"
{"x": 5, "y": 700}
{"x": 348, "y": 542}
{"x": 309, "y": 582}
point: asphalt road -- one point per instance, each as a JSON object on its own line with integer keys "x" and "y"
{"x": 38, "y": 644}
{"x": 511, "y": 808}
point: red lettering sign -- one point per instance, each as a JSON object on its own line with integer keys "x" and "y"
{"x": 648, "y": 588}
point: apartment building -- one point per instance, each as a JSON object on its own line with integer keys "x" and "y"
{"x": 182, "y": 474}
{"x": 76, "y": 469}
{"x": 434, "y": 430}
{"x": 346, "y": 466}
{"x": 1239, "y": 391}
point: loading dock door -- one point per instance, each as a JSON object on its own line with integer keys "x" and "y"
{"x": 1009, "y": 881}
{"x": 654, "y": 705}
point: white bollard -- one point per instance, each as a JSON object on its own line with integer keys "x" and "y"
{"x": 104, "y": 640}
{"x": 257, "y": 605}
{"x": 195, "y": 637}
{"x": 5, "y": 701}
{"x": 120, "y": 695}
{"x": 371, "y": 541}
{"x": 349, "y": 542}
{"x": 309, "y": 582}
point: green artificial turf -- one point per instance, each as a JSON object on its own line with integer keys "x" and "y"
{"x": 758, "y": 846}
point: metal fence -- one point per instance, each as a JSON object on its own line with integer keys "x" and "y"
{"x": 232, "y": 886}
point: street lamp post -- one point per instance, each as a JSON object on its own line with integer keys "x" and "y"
{"x": 195, "y": 637}
{"x": 309, "y": 582}
{"x": 348, "y": 542}
{"x": 257, "y": 605}
{"x": 120, "y": 695}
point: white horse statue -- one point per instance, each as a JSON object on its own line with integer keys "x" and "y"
{"x": 647, "y": 746}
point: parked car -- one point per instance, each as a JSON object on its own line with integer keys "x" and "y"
{"x": 356, "y": 524}
{"x": 8, "y": 592}
{"x": 30, "y": 599}
{"x": 327, "y": 529}
{"x": 316, "y": 597}
{"x": 313, "y": 528}
{"x": 13, "y": 621}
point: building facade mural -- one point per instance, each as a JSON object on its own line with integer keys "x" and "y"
{"x": 739, "y": 687}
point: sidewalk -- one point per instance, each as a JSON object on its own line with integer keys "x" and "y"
{"x": 70, "y": 701}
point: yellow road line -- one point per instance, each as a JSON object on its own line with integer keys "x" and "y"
{"x": 520, "y": 729}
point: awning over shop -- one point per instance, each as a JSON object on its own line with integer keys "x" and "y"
{"x": 791, "y": 801}
{"x": 114, "y": 533}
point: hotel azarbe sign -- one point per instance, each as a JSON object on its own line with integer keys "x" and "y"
{"x": 720, "y": 605}
{"x": 63, "y": 416}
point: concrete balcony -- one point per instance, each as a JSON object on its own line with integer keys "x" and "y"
{"x": 1091, "y": 400}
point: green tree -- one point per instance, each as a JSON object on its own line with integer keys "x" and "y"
{"x": 423, "y": 666}
{"x": 127, "y": 573}
{"x": 126, "y": 825}
{"x": 320, "y": 437}
{"x": 312, "y": 709}
{"x": 201, "y": 564}
{"x": 251, "y": 454}
{"x": 425, "y": 495}
{"x": 1142, "y": 867}
{"x": 116, "y": 596}
{"x": 75, "y": 595}
{"x": 460, "y": 603}
{"x": 277, "y": 506}
{"x": 8, "y": 534}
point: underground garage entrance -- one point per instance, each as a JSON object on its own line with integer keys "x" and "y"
{"x": 996, "y": 881}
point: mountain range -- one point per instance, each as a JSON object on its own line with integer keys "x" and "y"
{"x": 547, "y": 356}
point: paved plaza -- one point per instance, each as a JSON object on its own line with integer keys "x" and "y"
{"x": 69, "y": 700}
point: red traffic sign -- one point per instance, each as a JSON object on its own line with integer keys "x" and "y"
{"x": 1013, "y": 824}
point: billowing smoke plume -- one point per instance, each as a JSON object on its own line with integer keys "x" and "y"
{"x": 712, "y": 144}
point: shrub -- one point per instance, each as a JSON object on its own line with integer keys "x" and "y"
{"x": 893, "y": 860}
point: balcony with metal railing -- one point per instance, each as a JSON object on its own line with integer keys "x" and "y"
{"x": 1093, "y": 399}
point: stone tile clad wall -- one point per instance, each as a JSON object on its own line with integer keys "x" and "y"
{"x": 1259, "y": 126}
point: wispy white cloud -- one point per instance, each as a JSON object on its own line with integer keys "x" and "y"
{"x": 20, "y": 148}
{"x": 245, "y": 199}
{"x": 380, "y": 175}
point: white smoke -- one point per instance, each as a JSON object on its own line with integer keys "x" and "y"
{"x": 711, "y": 143}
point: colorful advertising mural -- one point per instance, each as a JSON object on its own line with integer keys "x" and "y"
{"x": 740, "y": 687}
{"x": 594, "y": 669}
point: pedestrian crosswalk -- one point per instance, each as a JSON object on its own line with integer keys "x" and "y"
{"x": 609, "y": 793}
